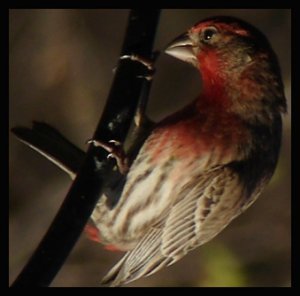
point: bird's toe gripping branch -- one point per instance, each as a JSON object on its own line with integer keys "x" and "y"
{"x": 148, "y": 63}
{"x": 144, "y": 61}
{"x": 116, "y": 151}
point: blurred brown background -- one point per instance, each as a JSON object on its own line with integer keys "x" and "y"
{"x": 60, "y": 71}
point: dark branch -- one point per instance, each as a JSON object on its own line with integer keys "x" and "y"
{"x": 88, "y": 185}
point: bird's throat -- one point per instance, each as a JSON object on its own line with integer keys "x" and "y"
{"x": 213, "y": 80}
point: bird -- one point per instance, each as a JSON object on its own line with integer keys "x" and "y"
{"x": 197, "y": 169}
{"x": 204, "y": 165}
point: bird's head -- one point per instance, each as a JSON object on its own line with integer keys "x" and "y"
{"x": 234, "y": 58}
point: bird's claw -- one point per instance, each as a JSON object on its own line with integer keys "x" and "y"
{"x": 115, "y": 150}
{"x": 144, "y": 61}
{"x": 147, "y": 77}
{"x": 116, "y": 143}
{"x": 148, "y": 63}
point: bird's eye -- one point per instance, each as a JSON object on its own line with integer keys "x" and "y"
{"x": 208, "y": 34}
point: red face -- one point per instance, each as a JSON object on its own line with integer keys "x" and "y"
{"x": 235, "y": 60}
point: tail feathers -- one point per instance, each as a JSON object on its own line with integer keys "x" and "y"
{"x": 145, "y": 259}
{"x": 51, "y": 144}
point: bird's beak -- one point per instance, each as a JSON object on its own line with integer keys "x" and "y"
{"x": 183, "y": 48}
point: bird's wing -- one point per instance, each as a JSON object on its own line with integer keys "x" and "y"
{"x": 205, "y": 208}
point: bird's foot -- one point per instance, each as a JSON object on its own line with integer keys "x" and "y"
{"x": 116, "y": 151}
{"x": 146, "y": 62}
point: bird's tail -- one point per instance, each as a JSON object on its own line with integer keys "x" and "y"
{"x": 47, "y": 141}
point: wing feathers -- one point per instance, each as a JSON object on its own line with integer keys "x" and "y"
{"x": 199, "y": 215}
{"x": 142, "y": 260}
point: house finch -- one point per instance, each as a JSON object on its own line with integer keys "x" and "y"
{"x": 204, "y": 165}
